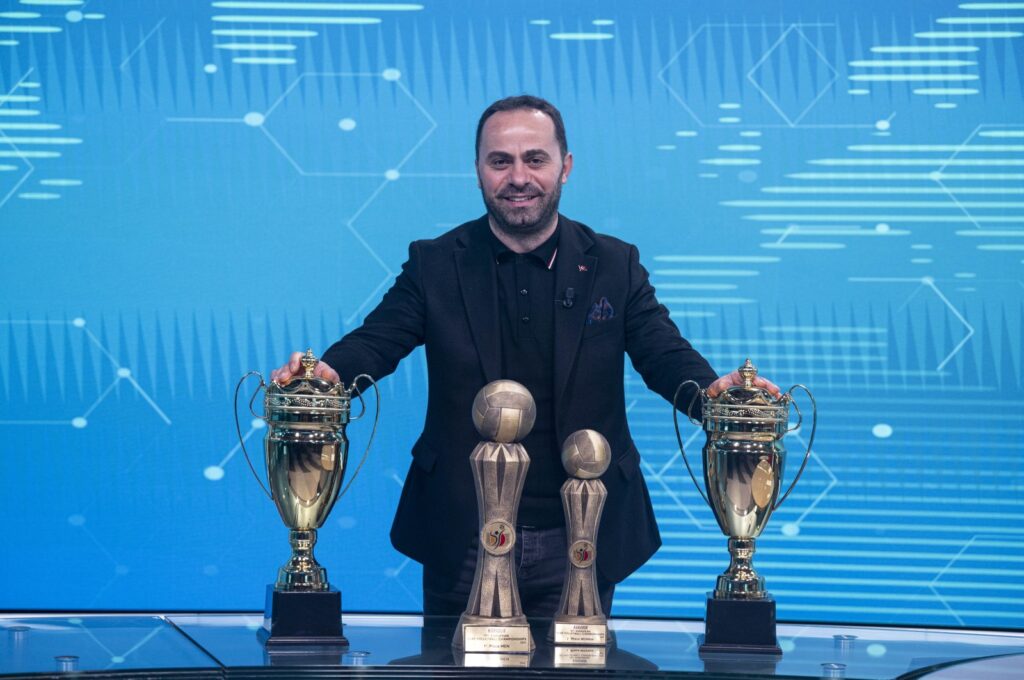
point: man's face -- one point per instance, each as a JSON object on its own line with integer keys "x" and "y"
{"x": 521, "y": 171}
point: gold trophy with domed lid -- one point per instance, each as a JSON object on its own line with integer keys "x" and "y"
{"x": 744, "y": 459}
{"x": 307, "y": 458}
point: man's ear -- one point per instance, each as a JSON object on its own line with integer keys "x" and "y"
{"x": 566, "y": 166}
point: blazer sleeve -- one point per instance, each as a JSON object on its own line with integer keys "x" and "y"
{"x": 390, "y": 332}
{"x": 661, "y": 356}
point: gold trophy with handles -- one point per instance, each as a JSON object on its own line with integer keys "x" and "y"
{"x": 306, "y": 453}
{"x": 744, "y": 459}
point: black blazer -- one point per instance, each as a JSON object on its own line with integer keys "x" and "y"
{"x": 446, "y": 298}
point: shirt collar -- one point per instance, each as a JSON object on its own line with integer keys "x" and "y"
{"x": 545, "y": 253}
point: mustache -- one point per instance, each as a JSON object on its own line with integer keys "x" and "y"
{"x": 526, "y": 190}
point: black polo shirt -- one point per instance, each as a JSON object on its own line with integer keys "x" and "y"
{"x": 526, "y": 309}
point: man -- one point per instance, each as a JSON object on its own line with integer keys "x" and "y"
{"x": 526, "y": 294}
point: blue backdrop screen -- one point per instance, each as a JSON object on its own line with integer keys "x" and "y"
{"x": 189, "y": 190}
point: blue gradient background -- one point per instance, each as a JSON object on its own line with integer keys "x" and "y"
{"x": 172, "y": 217}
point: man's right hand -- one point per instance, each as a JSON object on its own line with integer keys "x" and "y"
{"x": 294, "y": 367}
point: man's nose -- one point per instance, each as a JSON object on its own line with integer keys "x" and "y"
{"x": 519, "y": 176}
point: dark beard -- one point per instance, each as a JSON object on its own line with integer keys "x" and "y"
{"x": 516, "y": 223}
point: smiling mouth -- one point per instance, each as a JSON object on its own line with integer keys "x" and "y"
{"x": 520, "y": 199}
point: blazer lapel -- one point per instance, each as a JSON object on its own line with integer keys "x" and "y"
{"x": 573, "y": 269}
{"x": 478, "y": 282}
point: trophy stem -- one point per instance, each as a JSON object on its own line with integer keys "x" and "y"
{"x": 302, "y": 571}
{"x": 740, "y": 581}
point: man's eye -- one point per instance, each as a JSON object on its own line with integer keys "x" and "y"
{"x": 536, "y": 162}
{"x": 499, "y": 163}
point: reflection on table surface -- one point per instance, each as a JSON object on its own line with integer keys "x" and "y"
{"x": 214, "y": 644}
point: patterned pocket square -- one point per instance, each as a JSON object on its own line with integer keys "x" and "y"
{"x": 601, "y": 311}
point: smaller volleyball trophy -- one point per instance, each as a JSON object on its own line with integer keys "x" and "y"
{"x": 503, "y": 413}
{"x": 580, "y": 620}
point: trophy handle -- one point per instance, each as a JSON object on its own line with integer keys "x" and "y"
{"x": 810, "y": 440}
{"x": 679, "y": 437}
{"x": 799, "y": 415}
{"x": 238, "y": 426}
{"x": 373, "y": 431}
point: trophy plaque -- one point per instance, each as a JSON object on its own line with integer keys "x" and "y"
{"x": 580, "y": 620}
{"x": 743, "y": 461}
{"x": 493, "y": 659}
{"x": 307, "y": 458}
{"x": 503, "y": 413}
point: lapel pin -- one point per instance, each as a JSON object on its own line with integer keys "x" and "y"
{"x": 583, "y": 267}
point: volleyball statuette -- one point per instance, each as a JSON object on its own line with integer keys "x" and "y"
{"x": 493, "y": 623}
{"x": 580, "y": 620}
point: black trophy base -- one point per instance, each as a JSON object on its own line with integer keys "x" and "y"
{"x": 302, "y": 619}
{"x": 740, "y": 627}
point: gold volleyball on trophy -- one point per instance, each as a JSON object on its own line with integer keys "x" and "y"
{"x": 504, "y": 411}
{"x": 586, "y": 454}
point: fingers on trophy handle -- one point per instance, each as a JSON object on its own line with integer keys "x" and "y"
{"x": 679, "y": 437}
{"x": 238, "y": 426}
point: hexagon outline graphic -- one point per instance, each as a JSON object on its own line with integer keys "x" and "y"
{"x": 935, "y": 583}
{"x": 24, "y": 178}
{"x": 657, "y": 476}
{"x": 122, "y": 373}
{"x": 389, "y": 275}
{"x": 936, "y": 174}
{"x": 928, "y": 282}
{"x": 675, "y": 57}
{"x": 21, "y": 157}
{"x": 355, "y": 74}
{"x": 764, "y": 58}
{"x": 789, "y": 28}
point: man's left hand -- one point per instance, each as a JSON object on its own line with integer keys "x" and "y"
{"x": 734, "y": 378}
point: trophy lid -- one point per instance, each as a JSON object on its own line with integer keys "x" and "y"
{"x": 307, "y": 399}
{"x": 747, "y": 409}
{"x": 307, "y": 382}
{"x": 747, "y": 394}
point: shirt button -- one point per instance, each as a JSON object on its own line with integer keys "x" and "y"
{"x": 526, "y": 319}
{"x": 524, "y": 292}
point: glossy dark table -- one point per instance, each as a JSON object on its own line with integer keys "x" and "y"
{"x": 226, "y": 646}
